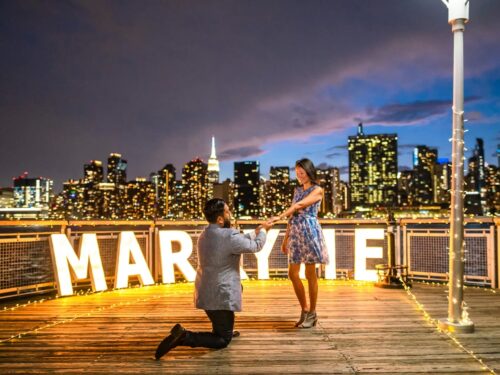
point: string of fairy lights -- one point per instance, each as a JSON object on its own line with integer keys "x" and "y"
{"x": 435, "y": 323}
{"x": 436, "y": 284}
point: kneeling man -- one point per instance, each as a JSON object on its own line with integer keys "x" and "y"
{"x": 218, "y": 284}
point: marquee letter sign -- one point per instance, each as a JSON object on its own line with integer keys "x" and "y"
{"x": 263, "y": 255}
{"x": 64, "y": 256}
{"x": 331, "y": 267}
{"x": 180, "y": 258}
{"x": 129, "y": 247}
{"x": 362, "y": 252}
{"x": 69, "y": 266}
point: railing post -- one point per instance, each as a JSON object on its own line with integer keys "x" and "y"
{"x": 156, "y": 254}
{"x": 391, "y": 275}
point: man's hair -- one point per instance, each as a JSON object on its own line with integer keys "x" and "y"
{"x": 213, "y": 209}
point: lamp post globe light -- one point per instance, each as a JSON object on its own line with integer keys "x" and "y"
{"x": 457, "y": 321}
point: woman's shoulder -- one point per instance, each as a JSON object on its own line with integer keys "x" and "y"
{"x": 315, "y": 188}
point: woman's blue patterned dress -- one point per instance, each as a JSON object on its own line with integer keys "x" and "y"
{"x": 306, "y": 243}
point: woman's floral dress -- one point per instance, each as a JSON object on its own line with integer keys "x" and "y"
{"x": 306, "y": 243}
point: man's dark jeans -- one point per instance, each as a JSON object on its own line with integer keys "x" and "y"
{"x": 221, "y": 335}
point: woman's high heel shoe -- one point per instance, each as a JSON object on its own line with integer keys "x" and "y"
{"x": 310, "y": 321}
{"x": 303, "y": 315}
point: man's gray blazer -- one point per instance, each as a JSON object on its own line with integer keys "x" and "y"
{"x": 218, "y": 284}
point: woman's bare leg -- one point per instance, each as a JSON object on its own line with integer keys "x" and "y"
{"x": 298, "y": 287}
{"x": 312, "y": 281}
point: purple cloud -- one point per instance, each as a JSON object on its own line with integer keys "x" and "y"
{"x": 338, "y": 147}
{"x": 409, "y": 113}
{"x": 333, "y": 155}
{"x": 239, "y": 153}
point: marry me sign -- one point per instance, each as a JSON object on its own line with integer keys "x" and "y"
{"x": 70, "y": 265}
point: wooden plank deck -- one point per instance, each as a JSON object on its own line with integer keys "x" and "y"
{"x": 362, "y": 330}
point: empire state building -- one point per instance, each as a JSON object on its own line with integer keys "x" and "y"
{"x": 213, "y": 166}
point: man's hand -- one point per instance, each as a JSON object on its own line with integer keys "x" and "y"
{"x": 267, "y": 224}
{"x": 264, "y": 225}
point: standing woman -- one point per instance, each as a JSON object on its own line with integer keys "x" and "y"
{"x": 304, "y": 241}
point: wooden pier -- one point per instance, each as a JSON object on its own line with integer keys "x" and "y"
{"x": 362, "y": 330}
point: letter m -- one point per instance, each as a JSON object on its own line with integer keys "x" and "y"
{"x": 64, "y": 258}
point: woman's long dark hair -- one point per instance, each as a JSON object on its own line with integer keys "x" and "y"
{"x": 308, "y": 166}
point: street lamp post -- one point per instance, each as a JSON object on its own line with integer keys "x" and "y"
{"x": 457, "y": 321}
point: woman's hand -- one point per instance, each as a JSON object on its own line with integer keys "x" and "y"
{"x": 284, "y": 246}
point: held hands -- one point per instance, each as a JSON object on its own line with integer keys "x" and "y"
{"x": 267, "y": 224}
{"x": 264, "y": 225}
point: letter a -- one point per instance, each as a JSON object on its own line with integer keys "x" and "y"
{"x": 128, "y": 246}
{"x": 180, "y": 258}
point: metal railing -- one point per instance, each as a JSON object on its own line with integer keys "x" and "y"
{"x": 425, "y": 250}
{"x": 421, "y": 245}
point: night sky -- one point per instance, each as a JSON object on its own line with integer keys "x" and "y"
{"x": 272, "y": 80}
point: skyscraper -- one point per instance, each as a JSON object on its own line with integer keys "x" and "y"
{"x": 475, "y": 175}
{"x": 492, "y": 190}
{"x": 442, "y": 182}
{"x": 93, "y": 172}
{"x": 112, "y": 200}
{"x": 70, "y": 203}
{"x": 165, "y": 190}
{"x": 140, "y": 200}
{"x": 176, "y": 204}
{"x": 424, "y": 163}
{"x": 225, "y": 191}
{"x": 345, "y": 191}
{"x": 405, "y": 188}
{"x": 325, "y": 179}
{"x": 194, "y": 188}
{"x": 337, "y": 195}
{"x": 6, "y": 197}
{"x": 373, "y": 168}
{"x": 213, "y": 166}
{"x": 475, "y": 180}
{"x": 93, "y": 175}
{"x": 246, "y": 188}
{"x": 32, "y": 192}
{"x": 117, "y": 169}
{"x": 278, "y": 193}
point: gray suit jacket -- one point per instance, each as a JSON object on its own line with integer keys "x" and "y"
{"x": 218, "y": 284}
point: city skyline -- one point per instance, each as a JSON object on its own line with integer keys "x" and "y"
{"x": 154, "y": 82}
{"x": 228, "y": 173}
{"x": 374, "y": 187}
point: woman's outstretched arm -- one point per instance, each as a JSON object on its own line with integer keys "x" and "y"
{"x": 315, "y": 196}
